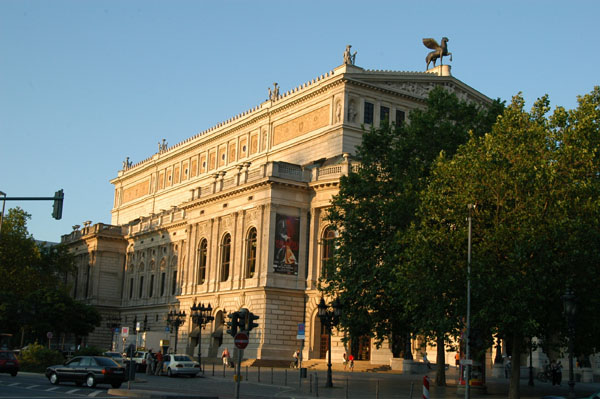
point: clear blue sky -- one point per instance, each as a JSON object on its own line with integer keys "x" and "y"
{"x": 84, "y": 84}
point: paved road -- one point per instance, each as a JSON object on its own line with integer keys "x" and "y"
{"x": 279, "y": 383}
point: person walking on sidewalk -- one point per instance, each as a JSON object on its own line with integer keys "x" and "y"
{"x": 351, "y": 361}
{"x": 159, "y": 363}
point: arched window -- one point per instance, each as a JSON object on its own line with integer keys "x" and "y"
{"x": 327, "y": 248}
{"x": 225, "y": 256}
{"x": 251, "y": 253}
{"x": 202, "y": 257}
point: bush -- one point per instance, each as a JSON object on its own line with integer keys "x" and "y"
{"x": 37, "y": 357}
{"x": 89, "y": 351}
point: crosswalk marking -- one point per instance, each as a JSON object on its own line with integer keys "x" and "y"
{"x": 73, "y": 391}
{"x": 31, "y": 386}
{"x": 95, "y": 393}
{"x": 52, "y": 389}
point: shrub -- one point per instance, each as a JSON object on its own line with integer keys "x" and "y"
{"x": 89, "y": 351}
{"x": 37, "y": 357}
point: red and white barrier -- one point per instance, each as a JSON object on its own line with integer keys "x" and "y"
{"x": 425, "y": 387}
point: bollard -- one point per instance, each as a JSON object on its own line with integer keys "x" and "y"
{"x": 246, "y": 373}
{"x": 258, "y": 373}
{"x": 285, "y": 382}
{"x": 377, "y": 390}
{"x": 213, "y": 374}
{"x": 310, "y": 383}
{"x": 271, "y": 375}
{"x": 316, "y": 385}
{"x": 223, "y": 370}
{"x": 425, "y": 387}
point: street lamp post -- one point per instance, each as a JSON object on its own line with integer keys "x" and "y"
{"x": 570, "y": 308}
{"x": 330, "y": 317}
{"x": 467, "y": 343}
{"x": 201, "y": 315}
{"x": 174, "y": 320}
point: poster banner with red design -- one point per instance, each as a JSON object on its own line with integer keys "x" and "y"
{"x": 285, "y": 259}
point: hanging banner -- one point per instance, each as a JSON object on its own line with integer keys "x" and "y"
{"x": 285, "y": 259}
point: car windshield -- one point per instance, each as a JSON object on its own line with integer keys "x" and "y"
{"x": 7, "y": 355}
{"x": 104, "y": 361}
{"x": 182, "y": 358}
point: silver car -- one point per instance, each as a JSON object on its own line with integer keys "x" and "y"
{"x": 180, "y": 364}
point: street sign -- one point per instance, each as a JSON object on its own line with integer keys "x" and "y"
{"x": 300, "y": 334}
{"x": 49, "y": 335}
{"x": 241, "y": 340}
{"x": 125, "y": 331}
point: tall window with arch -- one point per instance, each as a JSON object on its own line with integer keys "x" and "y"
{"x": 225, "y": 256}
{"x": 251, "y": 253}
{"x": 327, "y": 248}
{"x": 202, "y": 259}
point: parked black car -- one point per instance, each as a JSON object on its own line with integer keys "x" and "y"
{"x": 90, "y": 370}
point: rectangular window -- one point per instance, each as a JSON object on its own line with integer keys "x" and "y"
{"x": 384, "y": 114}
{"x": 151, "y": 286}
{"x": 162, "y": 284}
{"x": 174, "y": 285}
{"x": 400, "y": 116}
{"x": 131, "y": 288}
{"x": 368, "y": 113}
{"x": 141, "y": 286}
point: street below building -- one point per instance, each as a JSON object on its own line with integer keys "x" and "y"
{"x": 279, "y": 383}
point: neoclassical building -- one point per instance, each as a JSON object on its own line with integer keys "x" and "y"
{"x": 235, "y": 216}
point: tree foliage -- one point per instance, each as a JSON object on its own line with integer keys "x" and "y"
{"x": 534, "y": 183}
{"x": 375, "y": 208}
{"x": 35, "y": 296}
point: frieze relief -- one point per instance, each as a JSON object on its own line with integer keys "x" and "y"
{"x": 422, "y": 89}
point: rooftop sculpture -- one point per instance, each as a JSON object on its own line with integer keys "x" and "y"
{"x": 349, "y": 58}
{"x": 438, "y": 51}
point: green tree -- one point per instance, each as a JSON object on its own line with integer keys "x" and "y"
{"x": 375, "y": 208}
{"x": 534, "y": 183}
{"x": 35, "y": 296}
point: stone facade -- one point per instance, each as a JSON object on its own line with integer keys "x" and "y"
{"x": 235, "y": 216}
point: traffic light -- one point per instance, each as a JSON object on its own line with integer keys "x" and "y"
{"x": 58, "y": 204}
{"x": 250, "y": 324}
{"x": 233, "y": 323}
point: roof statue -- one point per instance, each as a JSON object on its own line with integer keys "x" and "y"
{"x": 349, "y": 58}
{"x": 438, "y": 51}
{"x": 274, "y": 94}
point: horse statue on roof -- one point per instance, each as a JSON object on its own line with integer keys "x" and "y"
{"x": 438, "y": 51}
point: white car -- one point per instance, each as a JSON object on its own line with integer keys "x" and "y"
{"x": 180, "y": 364}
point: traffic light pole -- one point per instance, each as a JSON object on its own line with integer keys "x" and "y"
{"x": 238, "y": 368}
{"x": 57, "y": 209}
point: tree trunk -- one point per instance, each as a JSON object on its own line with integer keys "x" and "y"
{"x": 440, "y": 376}
{"x": 515, "y": 376}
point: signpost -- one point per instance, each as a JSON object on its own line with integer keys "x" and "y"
{"x": 241, "y": 340}
{"x": 49, "y": 336}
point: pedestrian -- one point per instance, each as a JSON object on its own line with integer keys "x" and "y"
{"x": 426, "y": 361}
{"x": 296, "y": 356}
{"x": 456, "y": 359}
{"x": 149, "y": 369}
{"x": 225, "y": 356}
{"x": 345, "y": 360}
{"x": 507, "y": 367}
{"x": 553, "y": 372}
{"x": 159, "y": 363}
{"x": 351, "y": 361}
{"x": 558, "y": 373}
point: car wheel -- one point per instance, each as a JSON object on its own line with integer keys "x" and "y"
{"x": 169, "y": 373}
{"x": 116, "y": 385}
{"x": 90, "y": 381}
{"x": 53, "y": 379}
{"x": 13, "y": 373}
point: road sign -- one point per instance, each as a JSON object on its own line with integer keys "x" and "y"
{"x": 124, "y": 331}
{"x": 241, "y": 340}
{"x": 49, "y": 335}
